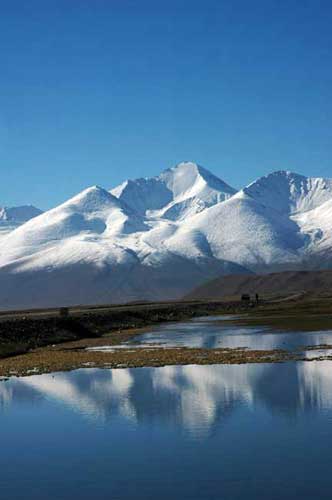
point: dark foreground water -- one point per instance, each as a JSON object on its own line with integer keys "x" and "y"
{"x": 193, "y": 432}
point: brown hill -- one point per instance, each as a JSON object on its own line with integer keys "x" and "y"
{"x": 268, "y": 285}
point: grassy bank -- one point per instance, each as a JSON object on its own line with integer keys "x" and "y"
{"x": 21, "y": 332}
{"x": 40, "y": 343}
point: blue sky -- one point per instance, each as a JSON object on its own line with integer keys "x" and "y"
{"x": 93, "y": 92}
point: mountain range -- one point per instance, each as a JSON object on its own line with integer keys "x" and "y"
{"x": 157, "y": 238}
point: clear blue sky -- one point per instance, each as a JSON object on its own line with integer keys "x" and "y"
{"x": 93, "y": 92}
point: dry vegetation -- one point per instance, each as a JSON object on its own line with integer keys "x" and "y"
{"x": 310, "y": 313}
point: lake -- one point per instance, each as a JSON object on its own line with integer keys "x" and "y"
{"x": 223, "y": 332}
{"x": 251, "y": 431}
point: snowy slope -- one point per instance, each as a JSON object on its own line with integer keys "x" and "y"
{"x": 242, "y": 231}
{"x": 12, "y": 217}
{"x": 63, "y": 255}
{"x": 91, "y": 249}
{"x": 144, "y": 194}
{"x": 93, "y": 217}
{"x": 290, "y": 193}
{"x": 158, "y": 238}
{"x": 316, "y": 226}
{"x": 307, "y": 201}
{"x": 180, "y": 191}
{"x": 18, "y": 215}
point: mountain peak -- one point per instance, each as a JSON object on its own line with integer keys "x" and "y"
{"x": 191, "y": 171}
{"x": 18, "y": 215}
{"x": 154, "y": 238}
{"x": 184, "y": 166}
{"x": 182, "y": 189}
{"x": 283, "y": 175}
{"x": 289, "y": 192}
{"x": 92, "y": 198}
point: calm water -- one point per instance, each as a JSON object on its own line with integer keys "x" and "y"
{"x": 193, "y": 432}
{"x": 214, "y": 332}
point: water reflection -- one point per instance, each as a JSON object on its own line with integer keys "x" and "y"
{"x": 209, "y": 334}
{"x": 196, "y": 398}
{"x": 174, "y": 432}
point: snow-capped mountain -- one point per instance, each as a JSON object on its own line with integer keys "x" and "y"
{"x": 290, "y": 193}
{"x": 18, "y": 215}
{"x": 241, "y": 230}
{"x": 178, "y": 192}
{"x": 67, "y": 233}
{"x": 316, "y": 225}
{"x": 92, "y": 249}
{"x": 12, "y": 217}
{"x": 158, "y": 238}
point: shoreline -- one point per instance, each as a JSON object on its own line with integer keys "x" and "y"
{"x": 72, "y": 357}
{"x": 24, "y": 331}
{"x": 59, "y": 344}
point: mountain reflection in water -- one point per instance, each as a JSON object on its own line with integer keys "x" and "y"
{"x": 190, "y": 432}
{"x": 214, "y": 332}
{"x": 194, "y": 397}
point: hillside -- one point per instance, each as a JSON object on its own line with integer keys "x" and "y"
{"x": 284, "y": 283}
{"x": 13, "y": 217}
